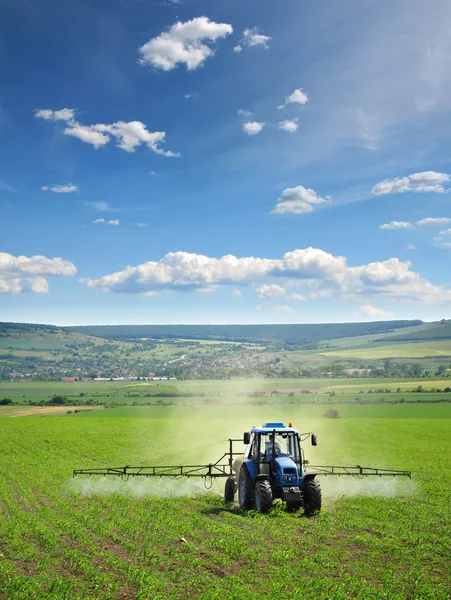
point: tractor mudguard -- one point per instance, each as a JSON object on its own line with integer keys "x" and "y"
{"x": 262, "y": 477}
{"x": 308, "y": 476}
{"x": 237, "y": 465}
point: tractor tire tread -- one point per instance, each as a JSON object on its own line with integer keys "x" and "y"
{"x": 229, "y": 491}
{"x": 312, "y": 496}
{"x": 245, "y": 488}
{"x": 263, "y": 496}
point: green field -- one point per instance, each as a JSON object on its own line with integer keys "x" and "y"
{"x": 238, "y": 391}
{"x": 62, "y": 538}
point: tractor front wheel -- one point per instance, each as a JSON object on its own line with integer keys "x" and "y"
{"x": 311, "y": 492}
{"x": 245, "y": 488}
{"x": 263, "y": 496}
{"x": 229, "y": 491}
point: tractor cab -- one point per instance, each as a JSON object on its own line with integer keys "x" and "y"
{"x": 273, "y": 467}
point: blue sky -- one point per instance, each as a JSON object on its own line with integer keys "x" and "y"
{"x": 308, "y": 143}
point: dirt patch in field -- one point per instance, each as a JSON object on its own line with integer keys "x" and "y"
{"x": 33, "y": 411}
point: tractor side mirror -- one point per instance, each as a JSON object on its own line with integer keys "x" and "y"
{"x": 314, "y": 439}
{"x": 246, "y": 437}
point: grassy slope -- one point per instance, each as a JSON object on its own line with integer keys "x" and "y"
{"x": 57, "y": 543}
{"x": 397, "y": 350}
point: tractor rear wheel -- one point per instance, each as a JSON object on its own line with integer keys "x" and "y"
{"x": 311, "y": 492}
{"x": 245, "y": 488}
{"x": 229, "y": 491}
{"x": 263, "y": 496}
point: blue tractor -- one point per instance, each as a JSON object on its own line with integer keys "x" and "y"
{"x": 273, "y": 467}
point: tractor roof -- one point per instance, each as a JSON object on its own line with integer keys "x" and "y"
{"x": 273, "y": 426}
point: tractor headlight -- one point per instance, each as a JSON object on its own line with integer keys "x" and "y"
{"x": 286, "y": 477}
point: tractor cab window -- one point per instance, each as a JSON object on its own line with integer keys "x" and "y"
{"x": 284, "y": 444}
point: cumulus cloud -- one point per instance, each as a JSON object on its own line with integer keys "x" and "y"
{"x": 411, "y": 247}
{"x": 427, "y": 181}
{"x": 297, "y": 97}
{"x": 184, "y": 43}
{"x": 367, "y": 310}
{"x": 290, "y": 126}
{"x": 269, "y": 291}
{"x": 237, "y": 293}
{"x": 20, "y": 274}
{"x": 87, "y": 134}
{"x": 96, "y": 221}
{"x": 128, "y": 135}
{"x": 61, "y": 189}
{"x": 434, "y": 221}
{"x": 114, "y": 222}
{"x": 238, "y": 48}
{"x": 297, "y": 297}
{"x": 396, "y": 225}
{"x": 141, "y": 225}
{"x": 252, "y": 127}
{"x": 244, "y": 113}
{"x": 65, "y": 114}
{"x": 298, "y": 200}
{"x": 322, "y": 273}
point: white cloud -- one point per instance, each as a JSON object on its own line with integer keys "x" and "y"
{"x": 396, "y": 225}
{"x": 65, "y": 114}
{"x": 87, "y": 134}
{"x": 237, "y": 293}
{"x": 96, "y": 221}
{"x": 367, "y": 310}
{"x": 61, "y": 189}
{"x": 269, "y": 291}
{"x": 252, "y": 127}
{"x": 284, "y": 308}
{"x": 298, "y": 200}
{"x": 101, "y": 206}
{"x": 297, "y": 97}
{"x": 322, "y": 273}
{"x": 428, "y": 181}
{"x": 250, "y": 38}
{"x": 244, "y": 113}
{"x": 411, "y": 247}
{"x": 434, "y": 221}
{"x": 114, "y": 222}
{"x": 191, "y": 95}
{"x": 184, "y": 43}
{"x": 445, "y": 232}
{"x": 441, "y": 243}
{"x": 141, "y": 224}
{"x": 129, "y": 135}
{"x": 290, "y": 126}
{"x": 20, "y": 274}
{"x": 253, "y": 38}
{"x": 297, "y": 297}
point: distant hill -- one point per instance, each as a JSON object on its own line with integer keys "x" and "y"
{"x": 295, "y": 334}
{"x": 435, "y": 331}
{"x": 41, "y": 337}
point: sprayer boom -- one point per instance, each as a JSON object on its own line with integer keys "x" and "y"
{"x": 357, "y": 471}
{"x": 174, "y": 471}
